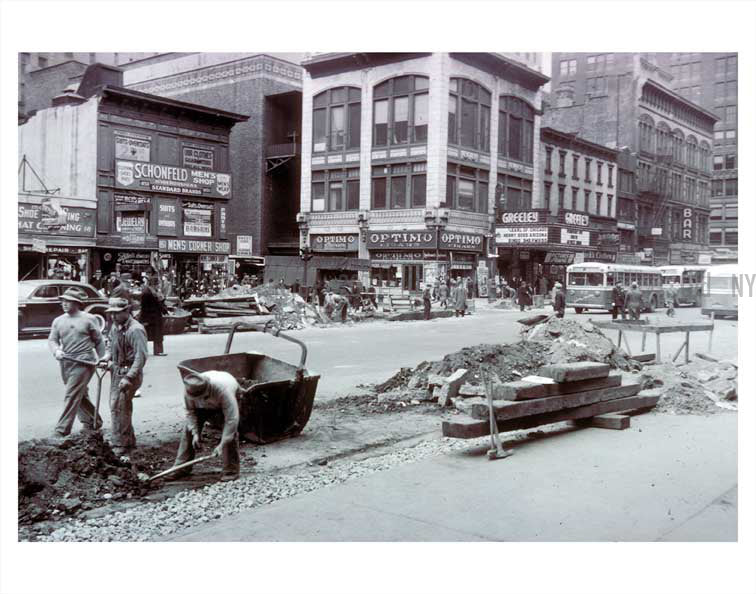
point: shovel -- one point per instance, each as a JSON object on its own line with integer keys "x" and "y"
{"x": 497, "y": 450}
{"x": 100, "y": 373}
{"x": 180, "y": 466}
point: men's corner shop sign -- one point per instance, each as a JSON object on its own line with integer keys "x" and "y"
{"x": 335, "y": 242}
{"x": 173, "y": 180}
{"x": 194, "y": 246}
{"x": 51, "y": 218}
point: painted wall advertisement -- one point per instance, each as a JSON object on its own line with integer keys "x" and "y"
{"x": 129, "y": 145}
{"x": 506, "y": 235}
{"x": 198, "y": 219}
{"x": 170, "y": 179}
{"x": 51, "y": 218}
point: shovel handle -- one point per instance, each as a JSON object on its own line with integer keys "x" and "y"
{"x": 180, "y": 466}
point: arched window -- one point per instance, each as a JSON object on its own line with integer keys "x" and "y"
{"x": 663, "y": 139}
{"x": 400, "y": 111}
{"x": 646, "y": 133}
{"x": 336, "y": 120}
{"x": 678, "y": 146}
{"x": 516, "y": 129}
{"x": 469, "y": 115}
{"x": 692, "y": 150}
{"x": 705, "y": 154}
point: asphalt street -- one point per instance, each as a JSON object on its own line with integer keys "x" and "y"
{"x": 345, "y": 356}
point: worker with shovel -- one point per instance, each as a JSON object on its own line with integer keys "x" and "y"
{"x": 74, "y": 337}
{"x": 127, "y": 357}
{"x": 205, "y": 394}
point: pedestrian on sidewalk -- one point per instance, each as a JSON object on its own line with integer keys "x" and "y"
{"x": 618, "y": 301}
{"x": 634, "y": 301}
{"x": 151, "y": 315}
{"x": 127, "y": 357}
{"x": 426, "y": 303}
{"x": 76, "y": 334}
{"x": 560, "y": 300}
{"x": 443, "y": 294}
{"x": 205, "y": 394}
{"x": 522, "y": 296}
{"x": 459, "y": 297}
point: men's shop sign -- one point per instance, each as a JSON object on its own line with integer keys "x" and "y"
{"x": 338, "y": 242}
{"x": 174, "y": 180}
{"x": 53, "y": 219}
{"x": 413, "y": 240}
{"x": 460, "y": 241}
{"x": 194, "y": 246}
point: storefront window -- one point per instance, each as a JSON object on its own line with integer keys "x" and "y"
{"x": 473, "y": 104}
{"x": 400, "y": 111}
{"x": 332, "y": 130}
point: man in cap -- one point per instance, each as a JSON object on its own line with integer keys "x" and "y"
{"x": 75, "y": 335}
{"x": 634, "y": 301}
{"x": 560, "y": 301}
{"x": 128, "y": 354}
{"x": 205, "y": 394}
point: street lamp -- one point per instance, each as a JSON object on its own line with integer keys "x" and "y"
{"x": 306, "y": 254}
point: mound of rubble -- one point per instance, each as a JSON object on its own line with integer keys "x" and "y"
{"x": 699, "y": 387}
{"x": 569, "y": 341}
{"x": 58, "y": 480}
{"x": 290, "y": 310}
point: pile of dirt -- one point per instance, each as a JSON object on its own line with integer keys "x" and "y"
{"x": 383, "y": 403}
{"x": 696, "y": 388}
{"x": 569, "y": 341}
{"x": 55, "y": 480}
{"x": 290, "y": 310}
{"x": 507, "y": 362}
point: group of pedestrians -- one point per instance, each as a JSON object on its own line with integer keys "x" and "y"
{"x": 627, "y": 301}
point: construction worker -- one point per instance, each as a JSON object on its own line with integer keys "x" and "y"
{"x": 618, "y": 301}
{"x": 205, "y": 394}
{"x": 75, "y": 335}
{"x": 634, "y": 301}
{"x": 127, "y": 357}
{"x": 560, "y": 300}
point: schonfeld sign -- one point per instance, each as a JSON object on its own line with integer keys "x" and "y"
{"x": 172, "y": 180}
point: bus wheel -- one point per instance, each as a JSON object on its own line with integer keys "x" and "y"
{"x": 578, "y": 310}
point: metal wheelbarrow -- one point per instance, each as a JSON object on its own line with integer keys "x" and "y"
{"x": 276, "y": 398}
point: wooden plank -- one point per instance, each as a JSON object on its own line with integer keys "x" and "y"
{"x": 506, "y": 409}
{"x": 472, "y": 428}
{"x": 571, "y": 372}
{"x": 644, "y": 357}
{"x": 607, "y": 421}
{"x": 513, "y": 391}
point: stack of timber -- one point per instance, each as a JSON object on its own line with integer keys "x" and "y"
{"x": 563, "y": 392}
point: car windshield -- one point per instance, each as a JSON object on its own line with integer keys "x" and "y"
{"x": 25, "y": 289}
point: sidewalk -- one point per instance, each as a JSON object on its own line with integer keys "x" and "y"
{"x": 666, "y": 478}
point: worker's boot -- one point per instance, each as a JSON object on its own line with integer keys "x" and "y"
{"x": 229, "y": 476}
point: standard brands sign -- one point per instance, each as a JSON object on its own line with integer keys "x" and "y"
{"x": 518, "y": 218}
{"x": 173, "y": 180}
{"x": 401, "y": 239}
{"x": 336, "y": 242}
{"x": 460, "y": 241}
{"x": 506, "y": 235}
{"x": 51, "y": 218}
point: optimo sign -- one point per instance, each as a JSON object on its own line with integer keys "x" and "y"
{"x": 335, "y": 242}
{"x": 173, "y": 180}
{"x": 460, "y": 241}
{"x": 401, "y": 239}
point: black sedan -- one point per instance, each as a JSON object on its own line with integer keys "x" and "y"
{"x": 39, "y": 304}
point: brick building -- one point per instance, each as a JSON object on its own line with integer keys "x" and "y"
{"x": 264, "y": 150}
{"x": 711, "y": 80}
{"x": 401, "y": 158}
{"x": 157, "y": 169}
{"x": 624, "y": 100}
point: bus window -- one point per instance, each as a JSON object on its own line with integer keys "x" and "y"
{"x": 645, "y": 280}
{"x": 657, "y": 280}
{"x": 633, "y": 277}
{"x": 595, "y": 279}
{"x": 699, "y": 276}
{"x": 610, "y": 279}
{"x": 576, "y": 279}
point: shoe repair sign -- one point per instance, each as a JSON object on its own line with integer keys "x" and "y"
{"x": 152, "y": 177}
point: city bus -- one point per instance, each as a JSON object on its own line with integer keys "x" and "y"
{"x": 689, "y": 281}
{"x": 590, "y": 284}
{"x": 722, "y": 285}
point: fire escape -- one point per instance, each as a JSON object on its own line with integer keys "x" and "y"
{"x": 656, "y": 190}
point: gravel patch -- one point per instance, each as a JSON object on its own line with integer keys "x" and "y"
{"x": 189, "y": 509}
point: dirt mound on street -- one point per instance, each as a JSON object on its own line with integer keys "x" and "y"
{"x": 508, "y": 362}
{"x": 570, "y": 341}
{"x": 82, "y": 472}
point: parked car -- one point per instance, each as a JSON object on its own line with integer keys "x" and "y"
{"x": 39, "y": 303}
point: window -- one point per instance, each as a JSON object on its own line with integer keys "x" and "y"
{"x": 729, "y": 162}
{"x": 715, "y": 237}
{"x": 731, "y": 91}
{"x": 515, "y": 193}
{"x": 731, "y": 212}
{"x": 588, "y": 169}
{"x": 399, "y": 186}
{"x": 575, "y": 165}
{"x": 732, "y": 65}
{"x": 730, "y": 136}
{"x": 41, "y": 62}
{"x": 646, "y": 132}
{"x": 562, "y": 158}
{"x": 470, "y": 104}
{"x": 467, "y": 188}
{"x": 400, "y": 111}
{"x": 418, "y": 190}
{"x": 547, "y": 169}
{"x": 567, "y": 67}
{"x": 601, "y": 63}
{"x": 574, "y": 205}
{"x": 587, "y": 202}
{"x": 599, "y": 171}
{"x": 336, "y": 190}
{"x": 609, "y": 205}
{"x": 719, "y": 137}
{"x": 597, "y": 205}
{"x": 610, "y": 175}
{"x": 46, "y": 292}
{"x": 691, "y": 160}
{"x": 731, "y": 238}
{"x": 596, "y": 86}
{"x": 731, "y": 187}
{"x": 336, "y": 119}
{"x": 516, "y": 130}
{"x": 731, "y": 114}
{"x": 547, "y": 194}
{"x": 718, "y": 162}
{"x": 561, "y": 196}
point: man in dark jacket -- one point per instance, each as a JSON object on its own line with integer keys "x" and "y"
{"x": 560, "y": 300}
{"x": 426, "y": 302}
{"x": 522, "y": 296}
{"x": 634, "y": 301}
{"x": 151, "y": 315}
{"x": 618, "y": 301}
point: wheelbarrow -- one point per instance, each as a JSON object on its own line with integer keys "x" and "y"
{"x": 276, "y": 398}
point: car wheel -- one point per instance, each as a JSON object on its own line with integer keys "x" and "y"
{"x": 578, "y": 310}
